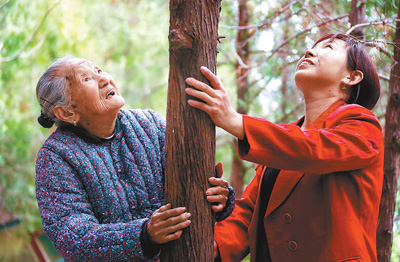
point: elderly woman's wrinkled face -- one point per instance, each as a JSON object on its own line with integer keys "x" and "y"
{"x": 93, "y": 92}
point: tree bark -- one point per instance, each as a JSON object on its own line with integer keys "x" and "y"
{"x": 357, "y": 16}
{"x": 242, "y": 72}
{"x": 190, "y": 134}
{"x": 392, "y": 158}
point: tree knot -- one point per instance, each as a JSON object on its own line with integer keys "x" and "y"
{"x": 395, "y": 97}
{"x": 179, "y": 40}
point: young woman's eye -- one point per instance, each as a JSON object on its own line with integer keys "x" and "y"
{"x": 329, "y": 46}
{"x": 99, "y": 71}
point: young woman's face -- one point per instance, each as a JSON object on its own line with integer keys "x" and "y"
{"x": 94, "y": 92}
{"x": 324, "y": 65}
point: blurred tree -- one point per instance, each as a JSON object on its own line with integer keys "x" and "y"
{"x": 357, "y": 16}
{"x": 242, "y": 68}
{"x": 20, "y": 40}
{"x": 392, "y": 157}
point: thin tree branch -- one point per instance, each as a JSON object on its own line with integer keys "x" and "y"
{"x": 384, "y": 22}
{"x": 300, "y": 33}
{"x": 3, "y": 5}
{"x": 21, "y": 52}
{"x": 227, "y": 57}
{"x": 237, "y": 56}
{"x": 33, "y": 50}
{"x": 2, "y": 26}
{"x": 378, "y": 45}
{"x": 383, "y": 77}
{"x": 275, "y": 14}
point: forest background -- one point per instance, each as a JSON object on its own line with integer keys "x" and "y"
{"x": 263, "y": 40}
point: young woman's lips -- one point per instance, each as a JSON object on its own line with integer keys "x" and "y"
{"x": 305, "y": 62}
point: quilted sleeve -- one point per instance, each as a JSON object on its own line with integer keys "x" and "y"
{"x": 69, "y": 221}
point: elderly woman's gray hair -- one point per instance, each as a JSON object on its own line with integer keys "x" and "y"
{"x": 52, "y": 89}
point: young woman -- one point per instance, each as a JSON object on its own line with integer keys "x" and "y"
{"x": 316, "y": 193}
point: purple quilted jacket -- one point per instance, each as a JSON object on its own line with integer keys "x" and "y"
{"x": 95, "y": 195}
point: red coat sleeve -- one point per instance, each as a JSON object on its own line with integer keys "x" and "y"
{"x": 231, "y": 234}
{"x": 349, "y": 139}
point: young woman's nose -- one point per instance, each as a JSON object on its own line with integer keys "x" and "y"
{"x": 310, "y": 53}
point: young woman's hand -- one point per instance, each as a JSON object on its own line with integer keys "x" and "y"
{"x": 166, "y": 224}
{"x": 215, "y": 102}
{"x": 218, "y": 193}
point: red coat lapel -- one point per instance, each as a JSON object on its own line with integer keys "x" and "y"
{"x": 287, "y": 180}
{"x": 285, "y": 183}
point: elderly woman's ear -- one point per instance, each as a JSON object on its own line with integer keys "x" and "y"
{"x": 66, "y": 114}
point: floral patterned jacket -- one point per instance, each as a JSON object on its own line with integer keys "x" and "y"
{"x": 95, "y": 195}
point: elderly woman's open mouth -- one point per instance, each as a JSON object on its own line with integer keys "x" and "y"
{"x": 110, "y": 94}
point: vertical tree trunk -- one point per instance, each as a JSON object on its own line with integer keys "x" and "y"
{"x": 242, "y": 72}
{"x": 392, "y": 158}
{"x": 190, "y": 135}
{"x": 357, "y": 16}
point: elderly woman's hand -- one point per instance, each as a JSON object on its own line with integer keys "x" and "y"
{"x": 166, "y": 224}
{"x": 218, "y": 193}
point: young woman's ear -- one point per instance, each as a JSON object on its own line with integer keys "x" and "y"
{"x": 353, "y": 78}
{"x": 66, "y": 114}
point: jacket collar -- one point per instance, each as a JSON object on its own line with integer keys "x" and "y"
{"x": 286, "y": 182}
{"x": 318, "y": 123}
{"x": 90, "y": 138}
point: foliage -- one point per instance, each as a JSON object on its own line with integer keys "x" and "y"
{"x": 18, "y": 135}
{"x": 36, "y": 33}
{"x": 129, "y": 39}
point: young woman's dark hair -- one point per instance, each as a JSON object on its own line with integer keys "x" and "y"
{"x": 367, "y": 92}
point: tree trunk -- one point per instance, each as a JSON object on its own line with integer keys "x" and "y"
{"x": 242, "y": 72}
{"x": 392, "y": 158}
{"x": 357, "y": 16}
{"x": 190, "y": 134}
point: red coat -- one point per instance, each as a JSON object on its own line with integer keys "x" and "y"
{"x": 325, "y": 203}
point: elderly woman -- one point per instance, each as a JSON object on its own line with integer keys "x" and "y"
{"x": 99, "y": 176}
{"x": 317, "y": 189}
